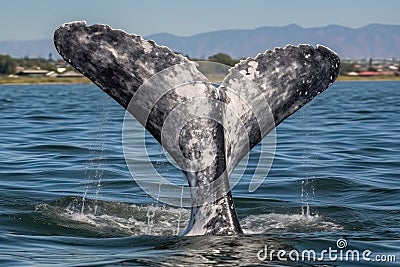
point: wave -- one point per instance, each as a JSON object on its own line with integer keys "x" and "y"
{"x": 120, "y": 219}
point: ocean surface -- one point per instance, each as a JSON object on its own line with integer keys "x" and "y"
{"x": 67, "y": 197}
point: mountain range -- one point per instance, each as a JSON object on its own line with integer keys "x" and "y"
{"x": 371, "y": 41}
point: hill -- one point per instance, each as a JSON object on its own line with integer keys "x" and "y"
{"x": 375, "y": 40}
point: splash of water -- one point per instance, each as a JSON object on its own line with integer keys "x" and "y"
{"x": 308, "y": 161}
{"x": 113, "y": 218}
{"x": 180, "y": 212}
{"x": 270, "y": 223}
{"x": 122, "y": 219}
{"x": 94, "y": 171}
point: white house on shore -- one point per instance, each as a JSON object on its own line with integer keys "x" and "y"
{"x": 32, "y": 73}
{"x": 47, "y": 73}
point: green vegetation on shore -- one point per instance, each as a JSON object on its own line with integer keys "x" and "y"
{"x": 9, "y": 67}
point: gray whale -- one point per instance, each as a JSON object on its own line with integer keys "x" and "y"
{"x": 215, "y": 127}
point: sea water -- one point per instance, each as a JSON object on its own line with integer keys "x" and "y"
{"x": 67, "y": 197}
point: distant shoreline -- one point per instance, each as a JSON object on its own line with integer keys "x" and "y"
{"x": 43, "y": 80}
{"x": 368, "y": 79}
{"x": 84, "y": 80}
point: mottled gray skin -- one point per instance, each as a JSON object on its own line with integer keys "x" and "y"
{"x": 274, "y": 84}
{"x": 286, "y": 79}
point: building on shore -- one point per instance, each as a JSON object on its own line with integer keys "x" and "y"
{"x": 32, "y": 73}
{"x": 70, "y": 74}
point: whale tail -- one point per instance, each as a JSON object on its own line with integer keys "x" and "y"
{"x": 207, "y": 130}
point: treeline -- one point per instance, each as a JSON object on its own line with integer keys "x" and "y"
{"x": 220, "y": 58}
{"x": 346, "y": 67}
{"x": 8, "y": 65}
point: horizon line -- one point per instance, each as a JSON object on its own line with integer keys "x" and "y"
{"x": 228, "y": 29}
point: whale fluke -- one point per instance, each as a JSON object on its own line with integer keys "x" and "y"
{"x": 279, "y": 82}
{"x": 207, "y": 130}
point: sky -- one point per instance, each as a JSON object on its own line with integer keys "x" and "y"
{"x": 28, "y": 19}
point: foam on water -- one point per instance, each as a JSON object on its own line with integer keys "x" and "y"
{"x": 114, "y": 218}
{"x": 121, "y": 219}
{"x": 273, "y": 222}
